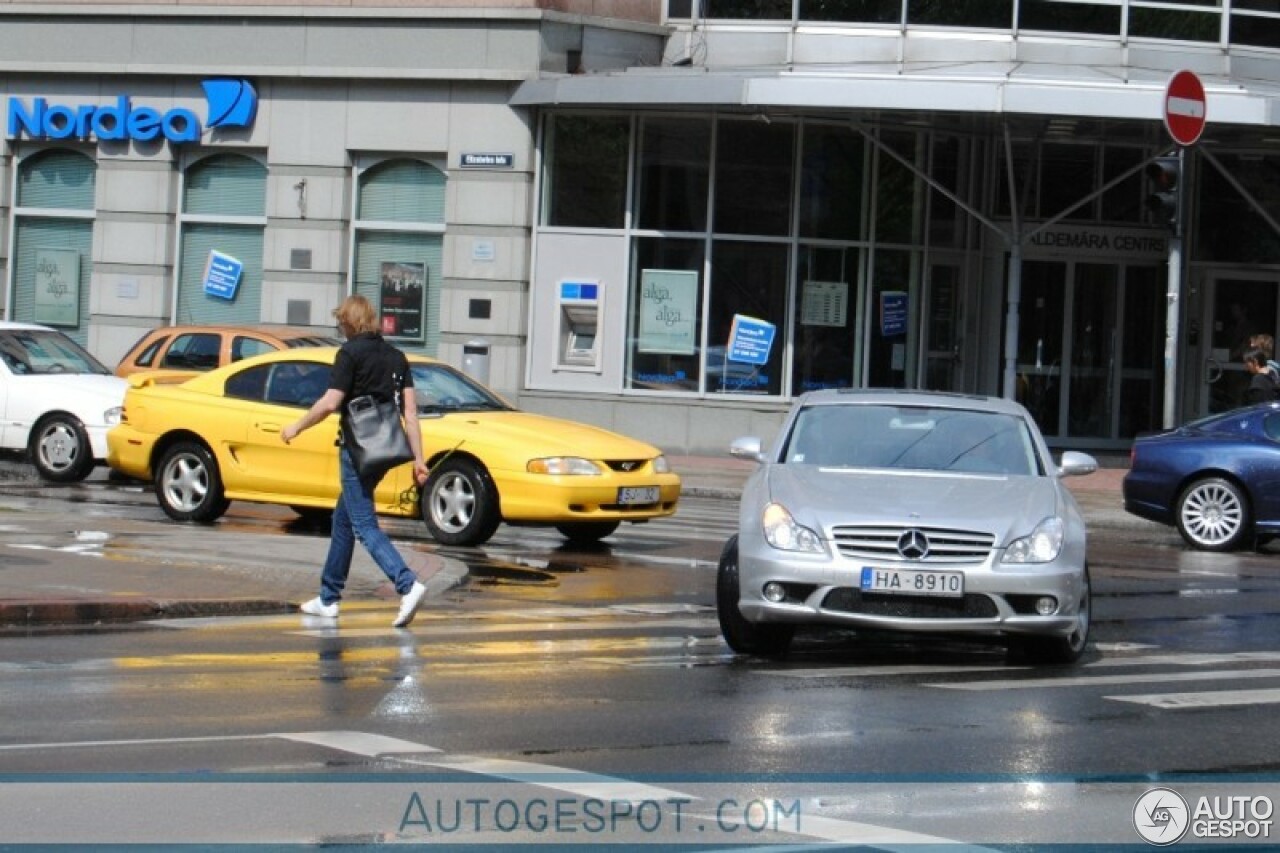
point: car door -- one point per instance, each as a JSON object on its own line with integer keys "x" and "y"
{"x": 280, "y": 392}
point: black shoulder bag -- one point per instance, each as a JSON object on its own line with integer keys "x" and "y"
{"x": 375, "y": 437}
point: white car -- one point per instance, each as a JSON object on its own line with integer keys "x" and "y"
{"x": 56, "y": 401}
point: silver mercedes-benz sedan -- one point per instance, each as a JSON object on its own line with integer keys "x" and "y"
{"x": 908, "y": 511}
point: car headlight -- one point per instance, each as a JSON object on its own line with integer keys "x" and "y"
{"x": 782, "y": 532}
{"x": 1042, "y": 545}
{"x": 111, "y": 416}
{"x": 661, "y": 465}
{"x": 563, "y": 465}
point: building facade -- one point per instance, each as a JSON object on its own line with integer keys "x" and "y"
{"x": 668, "y": 221}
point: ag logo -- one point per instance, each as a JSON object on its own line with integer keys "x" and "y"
{"x": 1161, "y": 816}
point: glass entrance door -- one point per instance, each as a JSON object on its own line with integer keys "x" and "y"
{"x": 943, "y": 329}
{"x": 1089, "y": 366}
{"x": 1238, "y": 308}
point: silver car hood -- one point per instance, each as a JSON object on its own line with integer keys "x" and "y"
{"x": 1008, "y": 507}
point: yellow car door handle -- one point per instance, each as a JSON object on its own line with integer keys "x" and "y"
{"x": 268, "y": 427}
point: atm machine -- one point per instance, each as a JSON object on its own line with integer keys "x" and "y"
{"x": 578, "y": 313}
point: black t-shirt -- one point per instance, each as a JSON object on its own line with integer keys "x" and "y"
{"x": 367, "y": 364}
{"x": 1262, "y": 388}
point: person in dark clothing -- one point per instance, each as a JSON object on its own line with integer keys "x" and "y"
{"x": 366, "y": 364}
{"x": 1262, "y": 386}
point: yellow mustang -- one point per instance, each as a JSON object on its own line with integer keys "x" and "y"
{"x": 215, "y": 438}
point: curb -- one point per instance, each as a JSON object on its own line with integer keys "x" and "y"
{"x": 89, "y": 611}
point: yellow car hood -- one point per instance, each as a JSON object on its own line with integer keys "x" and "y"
{"x": 534, "y": 436}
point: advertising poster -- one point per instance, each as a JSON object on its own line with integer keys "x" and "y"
{"x": 403, "y": 300}
{"x": 824, "y": 303}
{"x": 57, "y": 286}
{"x": 222, "y": 275}
{"x": 668, "y": 312}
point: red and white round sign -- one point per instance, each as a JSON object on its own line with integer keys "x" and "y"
{"x": 1184, "y": 108}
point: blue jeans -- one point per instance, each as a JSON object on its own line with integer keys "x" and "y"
{"x": 354, "y": 518}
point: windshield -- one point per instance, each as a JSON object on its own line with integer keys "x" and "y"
{"x": 439, "y": 388}
{"x": 32, "y": 351}
{"x": 913, "y": 438}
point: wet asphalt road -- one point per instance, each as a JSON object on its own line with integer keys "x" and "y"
{"x": 609, "y": 662}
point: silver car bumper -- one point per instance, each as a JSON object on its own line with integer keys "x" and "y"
{"x": 997, "y": 598}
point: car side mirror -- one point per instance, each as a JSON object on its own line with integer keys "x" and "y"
{"x": 1075, "y": 463}
{"x": 747, "y": 447}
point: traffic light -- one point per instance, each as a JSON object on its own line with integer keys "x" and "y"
{"x": 1164, "y": 174}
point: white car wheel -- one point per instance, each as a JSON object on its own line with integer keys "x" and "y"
{"x": 1213, "y": 514}
{"x": 60, "y": 449}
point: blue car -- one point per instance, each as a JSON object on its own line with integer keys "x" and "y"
{"x": 1216, "y": 479}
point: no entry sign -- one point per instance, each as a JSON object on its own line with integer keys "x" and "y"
{"x": 1184, "y": 111}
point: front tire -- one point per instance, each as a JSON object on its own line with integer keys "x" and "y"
{"x": 586, "y": 532}
{"x": 1213, "y": 514}
{"x": 742, "y": 636}
{"x": 460, "y": 503}
{"x": 189, "y": 485}
{"x": 60, "y": 450}
{"x": 1068, "y": 649}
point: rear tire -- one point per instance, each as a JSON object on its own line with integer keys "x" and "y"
{"x": 460, "y": 503}
{"x": 586, "y": 532}
{"x": 1213, "y": 515}
{"x": 744, "y": 637}
{"x": 60, "y": 450}
{"x": 189, "y": 485}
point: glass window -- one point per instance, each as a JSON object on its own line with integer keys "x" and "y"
{"x": 892, "y": 293}
{"x": 193, "y": 352}
{"x": 248, "y": 384}
{"x": 961, "y": 13}
{"x": 665, "y": 314}
{"x": 748, "y": 279}
{"x": 1142, "y": 377}
{"x": 753, "y": 178}
{"x": 397, "y": 268}
{"x": 944, "y": 214}
{"x": 1093, "y": 356}
{"x": 226, "y": 185}
{"x": 298, "y": 383}
{"x": 242, "y": 347}
{"x": 57, "y": 179}
{"x": 149, "y": 354}
{"x": 1024, "y": 187}
{"x": 762, "y": 10}
{"x": 587, "y": 171}
{"x": 1174, "y": 24}
{"x": 899, "y": 196}
{"x": 1040, "y": 319}
{"x": 1252, "y": 30}
{"x": 1228, "y": 228}
{"x": 831, "y": 185}
{"x": 826, "y": 324}
{"x": 675, "y": 165}
{"x": 1068, "y": 173}
{"x": 853, "y": 11}
{"x": 1056, "y": 16}
{"x": 1123, "y": 202}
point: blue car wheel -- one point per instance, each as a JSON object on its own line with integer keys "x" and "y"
{"x": 1213, "y": 514}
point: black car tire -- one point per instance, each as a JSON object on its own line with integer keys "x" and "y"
{"x": 1213, "y": 514}
{"x": 1068, "y": 649}
{"x": 742, "y": 636}
{"x": 189, "y": 485}
{"x": 314, "y": 515}
{"x": 586, "y": 532}
{"x": 460, "y": 503}
{"x": 59, "y": 448}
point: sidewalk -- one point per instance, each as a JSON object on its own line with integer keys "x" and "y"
{"x": 42, "y": 588}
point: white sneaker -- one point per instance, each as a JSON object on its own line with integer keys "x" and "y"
{"x": 409, "y": 603}
{"x": 316, "y": 607}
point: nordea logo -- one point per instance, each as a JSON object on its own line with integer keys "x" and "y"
{"x": 231, "y": 103}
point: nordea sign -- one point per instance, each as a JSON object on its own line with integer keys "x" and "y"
{"x": 231, "y": 103}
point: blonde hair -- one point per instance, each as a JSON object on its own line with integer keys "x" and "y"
{"x": 356, "y": 312}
